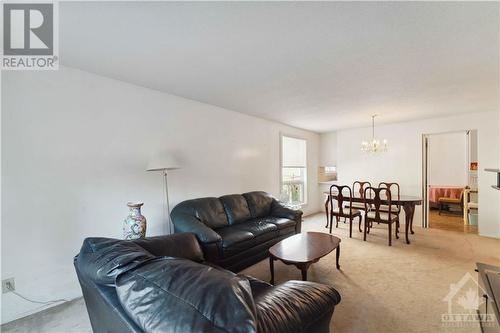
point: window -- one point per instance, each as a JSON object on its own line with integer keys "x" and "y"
{"x": 330, "y": 170}
{"x": 293, "y": 170}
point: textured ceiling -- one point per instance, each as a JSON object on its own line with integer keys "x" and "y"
{"x": 320, "y": 66}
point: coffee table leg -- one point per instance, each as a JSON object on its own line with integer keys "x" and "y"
{"x": 271, "y": 267}
{"x": 338, "y": 256}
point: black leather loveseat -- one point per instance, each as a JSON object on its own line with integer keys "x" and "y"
{"x": 162, "y": 284}
{"x": 235, "y": 231}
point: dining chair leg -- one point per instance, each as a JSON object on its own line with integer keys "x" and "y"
{"x": 360, "y": 220}
{"x": 390, "y": 234}
{"x": 350, "y": 227}
{"x": 364, "y": 233}
{"x": 397, "y": 228}
{"x": 337, "y": 221}
{"x": 331, "y": 222}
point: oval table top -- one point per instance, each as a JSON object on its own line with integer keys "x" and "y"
{"x": 305, "y": 247}
{"x": 401, "y": 201}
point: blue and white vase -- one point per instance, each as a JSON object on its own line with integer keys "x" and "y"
{"x": 134, "y": 226}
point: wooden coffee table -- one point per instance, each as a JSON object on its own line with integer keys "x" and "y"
{"x": 302, "y": 250}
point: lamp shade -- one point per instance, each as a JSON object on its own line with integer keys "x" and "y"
{"x": 162, "y": 162}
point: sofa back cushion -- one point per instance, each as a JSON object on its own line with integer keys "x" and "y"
{"x": 102, "y": 259}
{"x": 209, "y": 211}
{"x": 178, "y": 295}
{"x": 259, "y": 203}
{"x": 236, "y": 207}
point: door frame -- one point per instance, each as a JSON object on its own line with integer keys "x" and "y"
{"x": 425, "y": 168}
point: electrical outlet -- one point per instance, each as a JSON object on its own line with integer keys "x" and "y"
{"x": 8, "y": 285}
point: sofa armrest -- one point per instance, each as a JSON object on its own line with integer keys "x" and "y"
{"x": 182, "y": 245}
{"x": 188, "y": 223}
{"x": 294, "y": 306}
{"x": 258, "y": 286}
{"x": 280, "y": 210}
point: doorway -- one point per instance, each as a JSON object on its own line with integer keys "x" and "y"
{"x": 449, "y": 174}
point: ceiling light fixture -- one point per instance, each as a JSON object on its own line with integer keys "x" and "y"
{"x": 374, "y": 145}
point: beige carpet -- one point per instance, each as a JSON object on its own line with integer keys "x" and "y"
{"x": 384, "y": 289}
{"x": 392, "y": 289}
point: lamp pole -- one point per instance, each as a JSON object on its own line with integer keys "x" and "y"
{"x": 164, "y": 162}
{"x": 165, "y": 177}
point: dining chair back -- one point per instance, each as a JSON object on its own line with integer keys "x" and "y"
{"x": 342, "y": 194}
{"x": 395, "y": 193}
{"x": 359, "y": 188}
{"x": 361, "y": 185}
{"x": 377, "y": 201}
{"x": 381, "y": 196}
{"x": 337, "y": 193}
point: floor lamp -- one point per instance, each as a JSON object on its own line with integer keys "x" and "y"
{"x": 164, "y": 163}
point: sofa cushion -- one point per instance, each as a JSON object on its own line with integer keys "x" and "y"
{"x": 178, "y": 295}
{"x": 233, "y": 235}
{"x": 236, "y": 208}
{"x": 259, "y": 203}
{"x": 241, "y": 237}
{"x": 207, "y": 210}
{"x": 260, "y": 229}
{"x": 281, "y": 223}
{"x": 235, "y": 240}
{"x": 102, "y": 259}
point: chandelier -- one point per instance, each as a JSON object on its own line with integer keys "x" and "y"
{"x": 374, "y": 145}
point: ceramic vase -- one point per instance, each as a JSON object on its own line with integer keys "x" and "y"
{"x": 134, "y": 225}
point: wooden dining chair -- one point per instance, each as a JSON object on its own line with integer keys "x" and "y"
{"x": 337, "y": 194}
{"x": 395, "y": 194}
{"x": 360, "y": 187}
{"x": 374, "y": 214}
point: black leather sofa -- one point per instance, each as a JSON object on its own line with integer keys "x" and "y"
{"x": 236, "y": 231}
{"x": 162, "y": 284}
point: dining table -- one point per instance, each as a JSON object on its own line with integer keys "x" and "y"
{"x": 408, "y": 203}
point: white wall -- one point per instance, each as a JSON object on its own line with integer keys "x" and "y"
{"x": 403, "y": 162}
{"x": 448, "y": 159}
{"x": 328, "y": 149}
{"x": 74, "y": 150}
{"x": 473, "y": 146}
{"x": 498, "y": 166}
